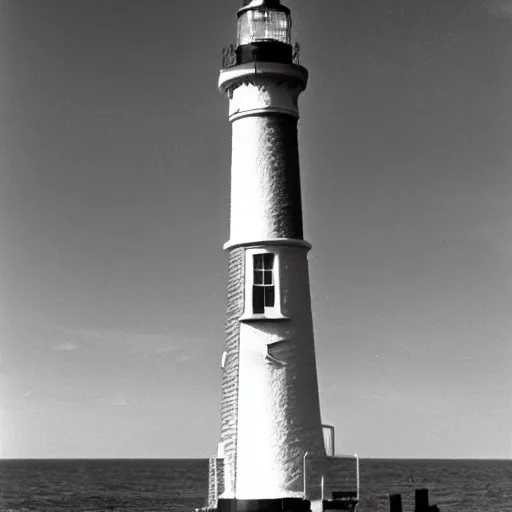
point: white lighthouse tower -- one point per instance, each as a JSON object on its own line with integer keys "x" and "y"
{"x": 272, "y": 445}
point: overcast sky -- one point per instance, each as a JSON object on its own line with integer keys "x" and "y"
{"x": 114, "y": 194}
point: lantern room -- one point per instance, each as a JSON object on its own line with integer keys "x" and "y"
{"x": 264, "y": 32}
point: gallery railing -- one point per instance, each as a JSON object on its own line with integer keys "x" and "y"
{"x": 229, "y": 56}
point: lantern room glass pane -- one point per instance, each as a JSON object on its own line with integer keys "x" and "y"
{"x": 264, "y": 25}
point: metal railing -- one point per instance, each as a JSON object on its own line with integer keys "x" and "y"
{"x": 330, "y": 451}
{"x": 304, "y": 474}
{"x": 296, "y": 54}
{"x": 322, "y": 479}
{"x": 229, "y": 55}
{"x": 357, "y": 473}
{"x": 329, "y": 447}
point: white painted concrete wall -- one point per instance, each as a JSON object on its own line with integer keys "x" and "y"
{"x": 265, "y": 94}
{"x": 278, "y": 408}
{"x": 261, "y": 158}
{"x": 261, "y": 166}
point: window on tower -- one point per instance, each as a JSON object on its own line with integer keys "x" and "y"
{"x": 263, "y": 289}
{"x": 263, "y": 276}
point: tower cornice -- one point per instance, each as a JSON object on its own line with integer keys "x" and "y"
{"x": 235, "y": 75}
{"x": 291, "y": 242}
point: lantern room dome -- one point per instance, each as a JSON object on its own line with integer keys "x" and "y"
{"x": 270, "y": 4}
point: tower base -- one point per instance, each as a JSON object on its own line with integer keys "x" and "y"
{"x": 276, "y": 505}
{"x": 284, "y": 505}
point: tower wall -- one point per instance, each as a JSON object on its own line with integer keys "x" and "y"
{"x": 230, "y": 374}
{"x": 278, "y": 411}
{"x": 271, "y": 425}
{"x": 265, "y": 180}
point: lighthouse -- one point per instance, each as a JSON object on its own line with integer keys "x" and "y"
{"x": 271, "y": 453}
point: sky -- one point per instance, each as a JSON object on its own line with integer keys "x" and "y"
{"x": 114, "y": 206}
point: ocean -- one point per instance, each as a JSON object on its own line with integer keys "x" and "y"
{"x": 180, "y": 485}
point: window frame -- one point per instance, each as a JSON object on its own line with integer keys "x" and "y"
{"x": 263, "y": 282}
{"x": 269, "y": 312}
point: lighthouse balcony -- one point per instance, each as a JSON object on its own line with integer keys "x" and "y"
{"x": 269, "y": 51}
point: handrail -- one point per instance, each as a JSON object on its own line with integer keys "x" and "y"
{"x": 216, "y": 485}
{"x": 357, "y": 473}
{"x": 296, "y": 54}
{"x": 304, "y": 473}
{"x": 228, "y": 57}
{"x": 330, "y": 428}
